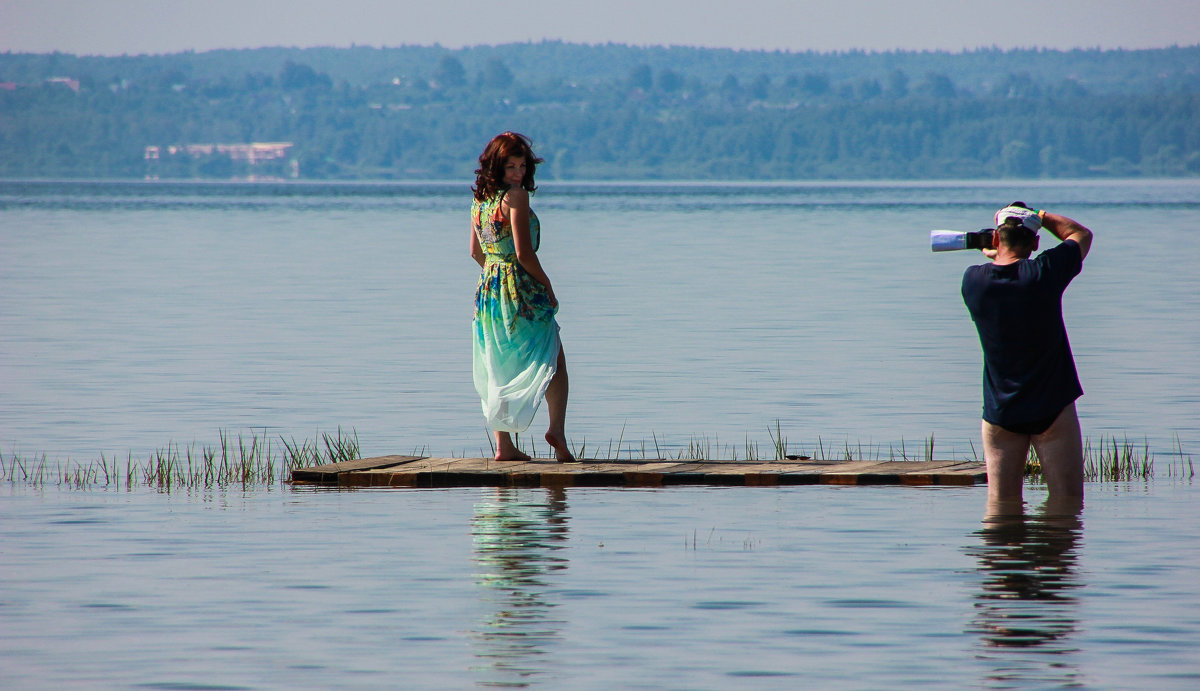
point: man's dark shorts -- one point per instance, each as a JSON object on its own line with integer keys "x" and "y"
{"x": 1032, "y": 428}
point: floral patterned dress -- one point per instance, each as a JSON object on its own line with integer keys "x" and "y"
{"x": 516, "y": 346}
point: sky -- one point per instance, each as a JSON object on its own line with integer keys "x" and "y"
{"x": 116, "y": 27}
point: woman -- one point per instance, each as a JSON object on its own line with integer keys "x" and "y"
{"x": 517, "y": 355}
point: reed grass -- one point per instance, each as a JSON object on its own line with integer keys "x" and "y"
{"x": 236, "y": 460}
{"x": 259, "y": 459}
{"x": 778, "y": 441}
{"x": 1108, "y": 460}
{"x": 704, "y": 448}
{"x": 1121, "y": 460}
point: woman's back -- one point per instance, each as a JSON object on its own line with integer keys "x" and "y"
{"x": 495, "y": 231}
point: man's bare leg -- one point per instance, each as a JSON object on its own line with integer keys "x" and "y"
{"x": 1005, "y": 454}
{"x": 1060, "y": 449}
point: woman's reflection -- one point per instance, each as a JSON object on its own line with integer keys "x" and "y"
{"x": 1026, "y": 602}
{"x": 518, "y": 534}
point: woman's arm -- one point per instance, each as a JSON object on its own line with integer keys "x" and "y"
{"x": 476, "y": 250}
{"x": 517, "y": 201}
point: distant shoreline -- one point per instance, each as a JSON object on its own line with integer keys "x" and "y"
{"x": 603, "y": 112}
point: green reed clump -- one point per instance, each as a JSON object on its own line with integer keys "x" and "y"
{"x": 240, "y": 460}
{"x": 778, "y": 441}
{"x": 330, "y": 449}
{"x": 29, "y": 471}
{"x": 1119, "y": 460}
{"x": 1181, "y": 465}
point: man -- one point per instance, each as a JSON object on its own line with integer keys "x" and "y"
{"x": 1029, "y": 378}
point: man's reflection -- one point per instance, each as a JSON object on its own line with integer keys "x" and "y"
{"x": 1026, "y": 602}
{"x": 518, "y": 534}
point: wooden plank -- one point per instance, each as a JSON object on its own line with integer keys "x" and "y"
{"x": 330, "y": 471}
{"x": 825, "y": 472}
{"x": 864, "y": 473}
{"x": 450, "y": 465}
{"x": 423, "y": 471}
{"x": 724, "y": 467}
{"x": 949, "y": 473}
{"x": 966, "y": 473}
{"x": 912, "y": 473}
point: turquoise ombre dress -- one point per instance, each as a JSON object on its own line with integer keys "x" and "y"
{"x": 516, "y": 336}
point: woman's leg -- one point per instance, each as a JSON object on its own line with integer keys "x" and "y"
{"x": 506, "y": 450}
{"x": 556, "y": 402}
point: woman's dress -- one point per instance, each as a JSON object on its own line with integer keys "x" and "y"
{"x": 516, "y": 342}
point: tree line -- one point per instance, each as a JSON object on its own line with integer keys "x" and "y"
{"x": 648, "y": 113}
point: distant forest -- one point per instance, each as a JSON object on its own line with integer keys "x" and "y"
{"x": 603, "y": 112}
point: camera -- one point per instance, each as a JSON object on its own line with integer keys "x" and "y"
{"x": 1017, "y": 213}
{"x": 948, "y": 240}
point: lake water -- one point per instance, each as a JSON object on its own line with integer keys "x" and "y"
{"x": 686, "y": 588}
{"x": 133, "y": 315}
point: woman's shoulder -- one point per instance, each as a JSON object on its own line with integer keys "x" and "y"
{"x": 515, "y": 197}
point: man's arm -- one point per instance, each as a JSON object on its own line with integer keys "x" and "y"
{"x": 1065, "y": 228}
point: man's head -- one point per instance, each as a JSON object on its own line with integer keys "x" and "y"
{"x": 1016, "y": 228}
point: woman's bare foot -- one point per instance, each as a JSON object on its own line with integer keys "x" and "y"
{"x": 506, "y": 450}
{"x": 561, "y": 453}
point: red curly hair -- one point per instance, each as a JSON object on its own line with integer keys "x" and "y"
{"x": 489, "y": 176}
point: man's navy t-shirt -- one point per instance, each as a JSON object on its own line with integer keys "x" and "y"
{"x": 1028, "y": 370}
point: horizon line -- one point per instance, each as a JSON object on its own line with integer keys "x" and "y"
{"x": 611, "y": 44}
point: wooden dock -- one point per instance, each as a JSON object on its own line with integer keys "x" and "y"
{"x": 425, "y": 471}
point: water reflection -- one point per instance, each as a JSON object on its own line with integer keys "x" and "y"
{"x": 1026, "y": 612}
{"x": 517, "y": 534}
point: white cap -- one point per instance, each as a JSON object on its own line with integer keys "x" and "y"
{"x": 1028, "y": 217}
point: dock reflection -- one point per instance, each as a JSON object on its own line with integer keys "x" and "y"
{"x": 517, "y": 534}
{"x": 1026, "y": 612}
